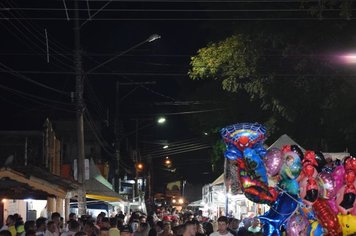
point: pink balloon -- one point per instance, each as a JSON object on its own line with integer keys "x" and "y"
{"x": 332, "y": 204}
{"x": 338, "y": 175}
{"x": 297, "y": 225}
{"x": 273, "y": 161}
{"x": 326, "y": 185}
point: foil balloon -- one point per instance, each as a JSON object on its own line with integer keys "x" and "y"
{"x": 338, "y": 176}
{"x": 327, "y": 219}
{"x": 297, "y": 225}
{"x": 245, "y": 145}
{"x": 333, "y": 206}
{"x": 273, "y": 161}
{"x": 320, "y": 159}
{"x": 326, "y": 185}
{"x": 315, "y": 229}
{"x": 348, "y": 224}
{"x": 244, "y": 135}
{"x": 232, "y": 153}
{"x": 280, "y": 212}
{"x": 289, "y": 173}
{"x": 308, "y": 191}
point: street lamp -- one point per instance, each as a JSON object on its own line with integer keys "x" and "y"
{"x": 161, "y": 120}
{"x": 153, "y": 37}
{"x": 165, "y": 146}
{"x": 150, "y": 39}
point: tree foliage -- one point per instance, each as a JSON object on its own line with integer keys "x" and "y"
{"x": 299, "y": 90}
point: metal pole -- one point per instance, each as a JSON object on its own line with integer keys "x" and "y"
{"x": 80, "y": 109}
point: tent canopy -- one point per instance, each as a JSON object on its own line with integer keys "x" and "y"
{"x": 98, "y": 188}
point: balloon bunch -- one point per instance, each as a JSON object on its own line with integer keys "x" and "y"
{"x": 306, "y": 195}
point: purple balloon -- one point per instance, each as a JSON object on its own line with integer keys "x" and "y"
{"x": 338, "y": 175}
{"x": 297, "y": 225}
{"x": 273, "y": 161}
{"x": 326, "y": 185}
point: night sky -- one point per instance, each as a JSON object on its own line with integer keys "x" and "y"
{"x": 117, "y": 25}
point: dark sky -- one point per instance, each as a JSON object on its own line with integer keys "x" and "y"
{"x": 165, "y": 62}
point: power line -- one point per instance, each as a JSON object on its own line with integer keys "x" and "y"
{"x": 186, "y": 19}
{"x": 21, "y": 76}
{"x": 170, "y": 10}
{"x": 36, "y": 37}
{"x": 37, "y": 99}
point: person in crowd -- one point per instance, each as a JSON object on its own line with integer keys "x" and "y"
{"x": 222, "y": 227}
{"x": 89, "y": 228}
{"x": 126, "y": 231}
{"x": 56, "y": 218}
{"x": 72, "y": 216}
{"x": 73, "y": 228}
{"x": 142, "y": 219}
{"x": 30, "y": 233}
{"x": 153, "y": 228}
{"x": 5, "y": 232}
{"x": 189, "y": 229}
{"x": 10, "y": 225}
{"x": 208, "y": 228}
{"x": 104, "y": 231}
{"x": 143, "y": 230}
{"x": 134, "y": 225}
{"x": 41, "y": 226}
{"x": 29, "y": 225}
{"x": 114, "y": 231}
{"x": 105, "y": 223}
{"x": 81, "y": 233}
{"x": 255, "y": 228}
{"x": 51, "y": 229}
{"x": 178, "y": 230}
{"x": 167, "y": 230}
{"x": 234, "y": 226}
{"x": 20, "y": 227}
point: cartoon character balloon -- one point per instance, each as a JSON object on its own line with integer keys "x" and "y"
{"x": 297, "y": 225}
{"x": 289, "y": 173}
{"x": 245, "y": 145}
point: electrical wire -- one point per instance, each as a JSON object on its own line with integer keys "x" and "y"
{"x": 39, "y": 32}
{"x": 186, "y": 19}
{"x": 23, "y": 77}
{"x": 170, "y": 10}
{"x": 37, "y": 99}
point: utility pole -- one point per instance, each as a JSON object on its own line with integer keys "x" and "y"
{"x": 117, "y": 136}
{"x": 79, "y": 89}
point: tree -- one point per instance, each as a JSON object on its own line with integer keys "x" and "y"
{"x": 281, "y": 68}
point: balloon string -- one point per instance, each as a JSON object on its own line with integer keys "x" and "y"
{"x": 296, "y": 200}
{"x": 283, "y": 214}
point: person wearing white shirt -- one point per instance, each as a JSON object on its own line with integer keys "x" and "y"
{"x": 222, "y": 227}
{"x": 51, "y": 229}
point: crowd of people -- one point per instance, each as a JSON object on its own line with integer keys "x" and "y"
{"x": 133, "y": 224}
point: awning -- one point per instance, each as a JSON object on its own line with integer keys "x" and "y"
{"x": 32, "y": 182}
{"x": 196, "y": 204}
{"x": 98, "y": 188}
{"x": 285, "y": 140}
{"x": 219, "y": 180}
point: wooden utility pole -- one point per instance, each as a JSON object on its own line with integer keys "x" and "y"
{"x": 79, "y": 89}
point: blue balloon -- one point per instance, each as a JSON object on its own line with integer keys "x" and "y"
{"x": 232, "y": 153}
{"x": 255, "y": 162}
{"x": 280, "y": 211}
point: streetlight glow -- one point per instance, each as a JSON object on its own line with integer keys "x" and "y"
{"x": 165, "y": 146}
{"x": 180, "y": 201}
{"x": 153, "y": 37}
{"x": 161, "y": 120}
